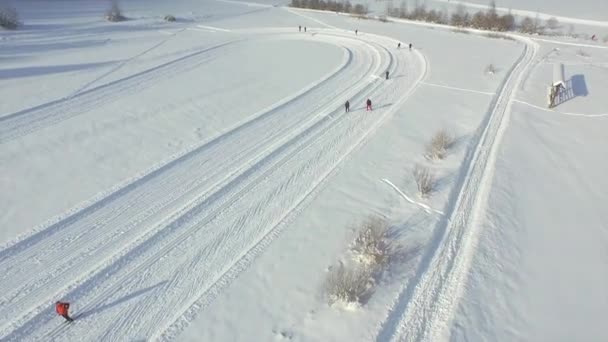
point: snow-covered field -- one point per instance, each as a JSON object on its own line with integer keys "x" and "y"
{"x": 198, "y": 180}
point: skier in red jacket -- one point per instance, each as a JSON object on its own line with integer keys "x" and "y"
{"x": 62, "y": 310}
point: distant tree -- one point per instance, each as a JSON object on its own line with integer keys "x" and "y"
{"x": 552, "y": 23}
{"x": 9, "y": 18}
{"x": 571, "y": 31}
{"x": 348, "y": 7}
{"x": 537, "y": 25}
{"x": 389, "y": 7}
{"x": 359, "y": 9}
{"x": 419, "y": 12}
{"x": 527, "y": 25}
{"x": 403, "y": 9}
{"x": 458, "y": 17}
{"x": 479, "y": 20}
{"x": 506, "y": 22}
{"x": 492, "y": 19}
{"x": 114, "y": 14}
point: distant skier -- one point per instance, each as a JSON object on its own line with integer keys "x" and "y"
{"x": 410, "y": 46}
{"x": 387, "y": 74}
{"x": 347, "y": 106}
{"x": 304, "y": 28}
{"x": 356, "y": 32}
{"x": 369, "y": 104}
{"x": 300, "y": 28}
{"x": 62, "y": 309}
{"x": 398, "y": 45}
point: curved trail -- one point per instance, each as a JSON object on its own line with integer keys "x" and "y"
{"x": 172, "y": 237}
{"x": 424, "y": 309}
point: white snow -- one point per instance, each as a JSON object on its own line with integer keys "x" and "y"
{"x": 539, "y": 272}
{"x": 197, "y": 180}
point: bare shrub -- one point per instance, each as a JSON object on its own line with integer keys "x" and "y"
{"x": 114, "y": 14}
{"x": 460, "y": 30}
{"x": 460, "y": 17}
{"x": 527, "y": 25}
{"x": 348, "y": 285}
{"x": 498, "y": 36}
{"x": 506, "y": 22}
{"x": 372, "y": 245}
{"x": 329, "y": 5}
{"x": 9, "y": 18}
{"x": 360, "y": 9}
{"x": 441, "y": 141}
{"x": 170, "y": 18}
{"x": 490, "y": 69}
{"x": 425, "y": 180}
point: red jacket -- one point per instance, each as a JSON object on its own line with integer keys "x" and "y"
{"x": 62, "y": 308}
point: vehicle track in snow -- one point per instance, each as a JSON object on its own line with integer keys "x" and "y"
{"x": 424, "y": 309}
{"x": 181, "y": 261}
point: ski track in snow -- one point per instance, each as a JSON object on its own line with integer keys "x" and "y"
{"x": 175, "y": 236}
{"x": 424, "y": 308}
{"x": 15, "y": 125}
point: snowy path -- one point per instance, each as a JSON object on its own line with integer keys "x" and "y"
{"x": 162, "y": 242}
{"x": 424, "y": 309}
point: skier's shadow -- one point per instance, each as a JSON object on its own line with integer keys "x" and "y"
{"x": 118, "y": 301}
{"x": 373, "y": 107}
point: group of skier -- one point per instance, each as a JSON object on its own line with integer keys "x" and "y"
{"x": 368, "y": 102}
{"x": 368, "y": 105}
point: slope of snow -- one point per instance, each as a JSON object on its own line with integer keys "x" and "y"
{"x": 197, "y": 180}
{"x": 153, "y": 124}
{"x": 543, "y": 242}
{"x": 295, "y": 265}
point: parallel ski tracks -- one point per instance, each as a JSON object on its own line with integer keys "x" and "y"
{"x": 24, "y": 122}
{"x": 425, "y": 308}
{"x": 189, "y": 217}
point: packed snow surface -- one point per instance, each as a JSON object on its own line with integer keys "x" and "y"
{"x": 198, "y": 180}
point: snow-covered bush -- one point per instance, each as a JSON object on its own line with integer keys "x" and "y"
{"x": 348, "y": 285}
{"x": 424, "y": 180}
{"x": 441, "y": 141}
{"x": 114, "y": 14}
{"x": 9, "y": 19}
{"x": 371, "y": 247}
{"x": 170, "y": 18}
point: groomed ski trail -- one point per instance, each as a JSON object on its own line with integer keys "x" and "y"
{"x": 108, "y": 228}
{"x": 424, "y": 309}
{"x": 200, "y": 242}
